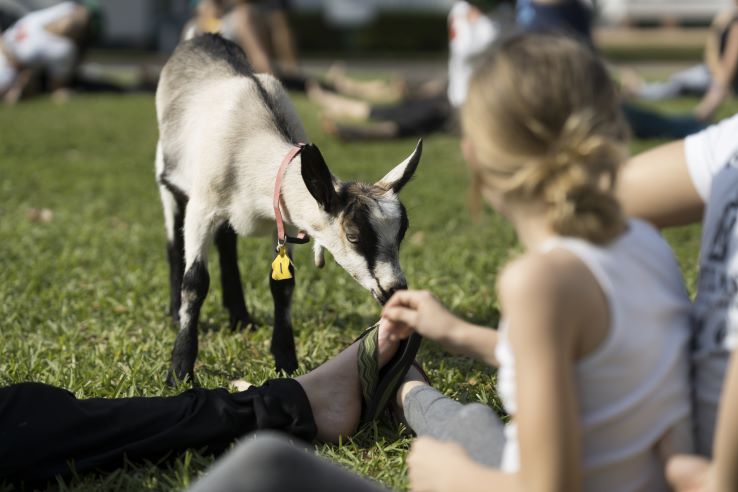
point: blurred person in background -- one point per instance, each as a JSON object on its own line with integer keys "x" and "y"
{"x": 261, "y": 28}
{"x": 574, "y": 18}
{"x": 47, "y": 40}
{"x": 43, "y": 52}
{"x": 715, "y": 79}
{"x": 571, "y": 16}
{"x": 431, "y": 107}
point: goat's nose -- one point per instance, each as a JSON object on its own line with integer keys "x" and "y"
{"x": 389, "y": 292}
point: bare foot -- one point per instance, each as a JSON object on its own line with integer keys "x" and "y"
{"x": 337, "y": 106}
{"x": 313, "y": 91}
{"x": 335, "y": 393}
{"x": 336, "y": 73}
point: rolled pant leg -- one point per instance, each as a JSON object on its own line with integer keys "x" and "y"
{"x": 474, "y": 426}
{"x": 44, "y": 430}
{"x": 269, "y": 462}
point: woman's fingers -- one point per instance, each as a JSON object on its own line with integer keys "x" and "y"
{"x": 408, "y": 298}
{"x": 401, "y": 316}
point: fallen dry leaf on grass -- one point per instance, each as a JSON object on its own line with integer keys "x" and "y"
{"x": 40, "y": 215}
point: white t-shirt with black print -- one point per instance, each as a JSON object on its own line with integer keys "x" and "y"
{"x": 712, "y": 160}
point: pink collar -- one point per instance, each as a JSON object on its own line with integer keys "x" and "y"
{"x": 282, "y": 237}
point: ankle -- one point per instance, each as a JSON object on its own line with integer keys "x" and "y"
{"x": 405, "y": 388}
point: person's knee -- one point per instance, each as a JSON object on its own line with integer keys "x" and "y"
{"x": 475, "y": 413}
{"x": 470, "y": 422}
{"x": 267, "y": 450}
{"x": 256, "y": 464}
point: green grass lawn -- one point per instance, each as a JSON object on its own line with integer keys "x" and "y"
{"x": 83, "y": 296}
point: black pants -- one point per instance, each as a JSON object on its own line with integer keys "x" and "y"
{"x": 44, "y": 430}
{"x": 415, "y": 116}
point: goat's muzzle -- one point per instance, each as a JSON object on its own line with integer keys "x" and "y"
{"x": 384, "y": 295}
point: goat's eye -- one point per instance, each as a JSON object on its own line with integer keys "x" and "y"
{"x": 353, "y": 238}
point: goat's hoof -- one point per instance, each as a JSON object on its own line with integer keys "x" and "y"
{"x": 174, "y": 377}
{"x": 241, "y": 321}
{"x": 288, "y": 364}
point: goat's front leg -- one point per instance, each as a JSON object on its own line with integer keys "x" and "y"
{"x": 198, "y": 232}
{"x": 283, "y": 340}
{"x": 230, "y": 277}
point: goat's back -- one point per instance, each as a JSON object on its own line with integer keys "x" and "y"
{"x": 204, "y": 58}
{"x": 211, "y": 106}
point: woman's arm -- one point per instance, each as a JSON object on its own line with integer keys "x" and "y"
{"x": 656, "y": 186}
{"x": 541, "y": 303}
{"x": 691, "y": 473}
{"x": 725, "y": 448}
{"x": 545, "y": 300}
{"x": 725, "y": 74}
{"x": 712, "y": 54}
{"x": 413, "y": 310}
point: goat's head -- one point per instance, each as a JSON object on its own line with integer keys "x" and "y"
{"x": 363, "y": 224}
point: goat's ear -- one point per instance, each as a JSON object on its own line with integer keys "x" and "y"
{"x": 401, "y": 174}
{"x": 318, "y": 178}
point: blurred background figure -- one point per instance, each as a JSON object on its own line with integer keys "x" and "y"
{"x": 572, "y": 16}
{"x": 714, "y": 79}
{"x": 472, "y": 28}
{"x": 49, "y": 41}
{"x": 43, "y": 50}
{"x": 260, "y": 27}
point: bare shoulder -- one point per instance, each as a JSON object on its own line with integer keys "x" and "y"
{"x": 558, "y": 275}
{"x": 548, "y": 291}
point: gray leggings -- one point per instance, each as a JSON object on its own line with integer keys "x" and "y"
{"x": 271, "y": 462}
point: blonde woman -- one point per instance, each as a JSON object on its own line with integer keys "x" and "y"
{"x": 592, "y": 350}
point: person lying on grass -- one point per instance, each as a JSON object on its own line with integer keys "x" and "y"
{"x": 592, "y": 347}
{"x": 698, "y": 180}
{"x": 46, "y": 433}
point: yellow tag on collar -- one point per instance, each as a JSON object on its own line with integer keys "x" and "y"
{"x": 281, "y": 265}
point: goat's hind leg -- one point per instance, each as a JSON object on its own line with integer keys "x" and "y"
{"x": 174, "y": 211}
{"x": 198, "y": 232}
{"x": 230, "y": 277}
{"x": 283, "y": 339}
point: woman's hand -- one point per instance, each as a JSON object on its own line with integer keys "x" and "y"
{"x": 435, "y": 466}
{"x": 690, "y": 473}
{"x": 418, "y": 310}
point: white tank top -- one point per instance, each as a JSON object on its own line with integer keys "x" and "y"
{"x": 634, "y": 387}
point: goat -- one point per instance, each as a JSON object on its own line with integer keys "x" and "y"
{"x": 223, "y": 131}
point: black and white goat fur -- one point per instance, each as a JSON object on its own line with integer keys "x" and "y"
{"x": 223, "y": 132}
